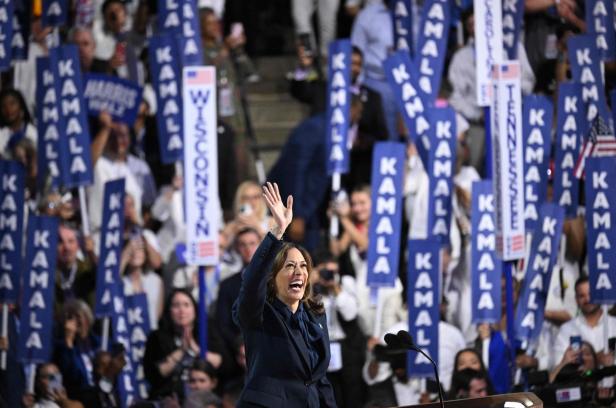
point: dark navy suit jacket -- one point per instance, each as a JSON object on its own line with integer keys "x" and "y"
{"x": 277, "y": 357}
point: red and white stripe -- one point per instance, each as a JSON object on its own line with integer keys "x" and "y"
{"x": 604, "y": 146}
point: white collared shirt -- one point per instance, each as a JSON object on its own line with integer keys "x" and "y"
{"x": 597, "y": 336}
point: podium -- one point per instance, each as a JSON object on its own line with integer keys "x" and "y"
{"x": 517, "y": 400}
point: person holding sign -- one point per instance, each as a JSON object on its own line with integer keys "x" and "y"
{"x": 283, "y": 325}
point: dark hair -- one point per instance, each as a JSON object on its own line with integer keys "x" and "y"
{"x": 166, "y": 322}
{"x": 108, "y": 3}
{"x": 20, "y": 100}
{"x": 579, "y": 281}
{"x": 246, "y": 230}
{"x": 482, "y": 369}
{"x": 309, "y": 300}
{"x": 361, "y": 188}
{"x": 205, "y": 367}
{"x": 206, "y": 11}
{"x": 358, "y": 51}
{"x": 40, "y": 392}
{"x": 461, "y": 380}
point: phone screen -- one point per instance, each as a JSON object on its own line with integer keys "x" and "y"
{"x": 237, "y": 30}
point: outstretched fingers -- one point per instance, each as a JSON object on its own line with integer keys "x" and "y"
{"x": 290, "y": 202}
{"x": 277, "y": 192}
{"x": 268, "y": 190}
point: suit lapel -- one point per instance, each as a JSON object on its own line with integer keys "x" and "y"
{"x": 321, "y": 322}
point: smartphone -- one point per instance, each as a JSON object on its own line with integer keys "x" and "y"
{"x": 237, "y": 30}
{"x": 304, "y": 41}
{"x": 576, "y": 345}
{"x": 55, "y": 382}
{"x": 341, "y": 197}
{"x": 611, "y": 344}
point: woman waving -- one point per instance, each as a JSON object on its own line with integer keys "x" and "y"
{"x": 283, "y": 325}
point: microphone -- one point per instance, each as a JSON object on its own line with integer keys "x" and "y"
{"x": 405, "y": 338}
{"x": 407, "y": 341}
{"x": 393, "y": 342}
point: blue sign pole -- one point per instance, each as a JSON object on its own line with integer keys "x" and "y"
{"x": 202, "y": 311}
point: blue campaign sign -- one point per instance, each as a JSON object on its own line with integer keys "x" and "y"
{"x": 441, "y": 168}
{"x": 423, "y": 299}
{"x": 12, "y": 188}
{"x": 6, "y": 33}
{"x": 388, "y": 161}
{"x": 181, "y": 21}
{"x": 600, "y": 23}
{"x": 600, "y": 188}
{"x": 432, "y": 47}
{"x": 512, "y": 21}
{"x": 585, "y": 59}
{"x": 55, "y": 13}
{"x": 21, "y": 30}
{"x": 76, "y": 133}
{"x": 613, "y": 105}
{"x": 121, "y": 334}
{"x": 139, "y": 328}
{"x": 541, "y": 261}
{"x": 164, "y": 57}
{"x": 36, "y": 335}
{"x": 338, "y": 106}
{"x": 570, "y": 128}
{"x": 110, "y": 253}
{"x": 537, "y": 114}
{"x": 486, "y": 268}
{"x": 402, "y": 78}
{"x": 51, "y": 152}
{"x": 116, "y": 96}
{"x": 402, "y": 17}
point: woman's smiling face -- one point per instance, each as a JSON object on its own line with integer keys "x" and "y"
{"x": 292, "y": 279}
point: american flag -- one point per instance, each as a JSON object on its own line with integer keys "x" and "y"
{"x": 515, "y": 243}
{"x": 204, "y": 249}
{"x": 508, "y": 71}
{"x": 199, "y": 76}
{"x": 600, "y": 142}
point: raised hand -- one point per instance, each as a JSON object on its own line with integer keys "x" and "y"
{"x": 282, "y": 215}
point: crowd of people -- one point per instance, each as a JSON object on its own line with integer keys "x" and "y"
{"x": 474, "y": 360}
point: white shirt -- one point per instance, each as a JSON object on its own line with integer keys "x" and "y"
{"x": 24, "y": 78}
{"x": 345, "y": 303}
{"x": 555, "y": 300}
{"x": 152, "y": 286}
{"x": 370, "y": 311}
{"x": 416, "y": 191}
{"x": 6, "y": 133}
{"x": 597, "y": 336}
{"x": 462, "y": 77}
{"x": 106, "y": 170}
{"x": 170, "y": 213}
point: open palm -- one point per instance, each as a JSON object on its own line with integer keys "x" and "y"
{"x": 282, "y": 215}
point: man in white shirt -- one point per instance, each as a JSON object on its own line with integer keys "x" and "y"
{"x": 592, "y": 325}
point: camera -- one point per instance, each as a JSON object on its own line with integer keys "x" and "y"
{"x": 246, "y": 209}
{"x": 571, "y": 388}
{"x": 326, "y": 274}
